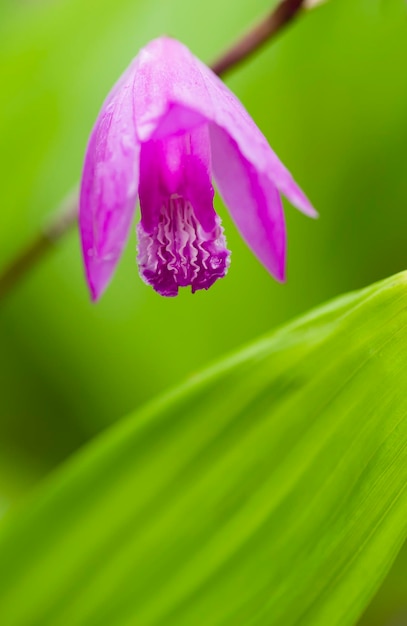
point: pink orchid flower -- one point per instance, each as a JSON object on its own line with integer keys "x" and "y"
{"x": 165, "y": 129}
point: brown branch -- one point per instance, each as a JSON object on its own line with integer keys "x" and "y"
{"x": 258, "y": 35}
{"x": 59, "y": 224}
{"x": 66, "y": 217}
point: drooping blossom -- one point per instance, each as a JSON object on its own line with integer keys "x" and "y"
{"x": 167, "y": 127}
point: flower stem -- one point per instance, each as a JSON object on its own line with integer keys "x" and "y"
{"x": 59, "y": 224}
{"x": 269, "y": 26}
{"x": 66, "y": 216}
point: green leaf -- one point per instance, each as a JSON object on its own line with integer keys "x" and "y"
{"x": 271, "y": 490}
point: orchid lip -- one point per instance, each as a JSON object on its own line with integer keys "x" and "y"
{"x": 179, "y": 252}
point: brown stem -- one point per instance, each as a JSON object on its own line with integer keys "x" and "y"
{"x": 258, "y": 35}
{"x": 59, "y": 224}
{"x": 66, "y": 217}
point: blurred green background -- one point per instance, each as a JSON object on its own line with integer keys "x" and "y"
{"x": 330, "y": 94}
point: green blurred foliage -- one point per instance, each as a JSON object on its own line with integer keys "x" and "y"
{"x": 254, "y": 495}
{"x": 331, "y": 96}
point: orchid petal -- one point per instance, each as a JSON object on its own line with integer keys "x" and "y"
{"x": 109, "y": 186}
{"x": 253, "y": 201}
{"x": 178, "y": 164}
{"x": 175, "y": 91}
{"x": 169, "y": 94}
